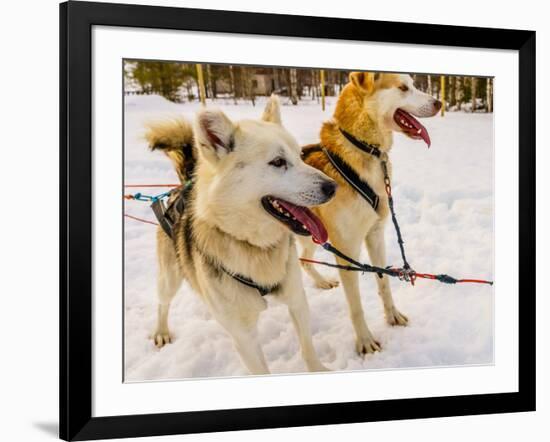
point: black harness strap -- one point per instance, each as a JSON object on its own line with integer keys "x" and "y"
{"x": 362, "y": 145}
{"x": 262, "y": 289}
{"x": 189, "y": 160}
{"x": 353, "y": 179}
{"x": 167, "y": 217}
{"x": 361, "y": 186}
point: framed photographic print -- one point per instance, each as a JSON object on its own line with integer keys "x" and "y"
{"x": 272, "y": 220}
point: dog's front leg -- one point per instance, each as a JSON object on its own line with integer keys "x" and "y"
{"x": 299, "y": 312}
{"x": 293, "y": 295}
{"x": 298, "y": 309}
{"x": 308, "y": 250}
{"x": 249, "y": 348}
{"x": 377, "y": 253}
{"x": 240, "y": 320}
{"x": 168, "y": 282}
{"x": 365, "y": 342}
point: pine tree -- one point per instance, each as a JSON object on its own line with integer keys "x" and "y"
{"x": 159, "y": 78}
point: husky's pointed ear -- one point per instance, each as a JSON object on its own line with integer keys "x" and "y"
{"x": 364, "y": 81}
{"x": 272, "y": 111}
{"x": 214, "y": 133}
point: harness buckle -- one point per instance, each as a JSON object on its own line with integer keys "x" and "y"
{"x": 388, "y": 186}
{"x": 407, "y": 275}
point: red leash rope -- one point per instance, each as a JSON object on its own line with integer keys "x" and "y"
{"x": 395, "y": 272}
{"x": 403, "y": 274}
{"x": 140, "y": 219}
{"x": 430, "y": 276}
{"x": 152, "y": 185}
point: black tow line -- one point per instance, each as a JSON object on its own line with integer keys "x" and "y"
{"x": 405, "y": 273}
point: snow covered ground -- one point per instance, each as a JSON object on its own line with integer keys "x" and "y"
{"x": 444, "y": 201}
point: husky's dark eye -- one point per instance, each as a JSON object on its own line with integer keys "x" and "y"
{"x": 278, "y": 162}
{"x": 404, "y": 87}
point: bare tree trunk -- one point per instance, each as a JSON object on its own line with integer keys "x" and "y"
{"x": 452, "y": 91}
{"x": 442, "y": 94}
{"x": 322, "y": 74}
{"x": 232, "y": 82}
{"x": 246, "y": 81}
{"x": 430, "y": 84}
{"x": 489, "y": 95}
{"x": 243, "y": 82}
{"x": 459, "y": 91}
{"x": 190, "y": 96}
{"x": 293, "y": 86}
{"x": 200, "y": 83}
{"x": 317, "y": 83}
{"x": 210, "y": 82}
{"x": 474, "y": 93}
{"x": 276, "y": 85}
{"x": 300, "y": 83}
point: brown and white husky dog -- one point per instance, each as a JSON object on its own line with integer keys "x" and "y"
{"x": 250, "y": 196}
{"x": 371, "y": 107}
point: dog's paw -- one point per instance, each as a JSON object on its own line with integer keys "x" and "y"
{"x": 395, "y": 317}
{"x": 366, "y": 345}
{"x": 321, "y": 368}
{"x": 161, "y": 338}
{"x": 316, "y": 366}
{"x": 327, "y": 284}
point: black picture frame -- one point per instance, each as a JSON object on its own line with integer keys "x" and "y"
{"x": 76, "y": 21}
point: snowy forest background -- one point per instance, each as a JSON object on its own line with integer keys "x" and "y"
{"x": 186, "y": 82}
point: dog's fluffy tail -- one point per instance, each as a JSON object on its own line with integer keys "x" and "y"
{"x": 175, "y": 138}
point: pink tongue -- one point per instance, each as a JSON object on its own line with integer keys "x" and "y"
{"x": 424, "y": 134}
{"x": 308, "y": 219}
{"x": 415, "y": 126}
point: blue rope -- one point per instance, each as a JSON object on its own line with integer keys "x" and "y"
{"x": 152, "y": 198}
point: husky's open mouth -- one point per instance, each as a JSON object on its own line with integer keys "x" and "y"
{"x": 411, "y": 126}
{"x": 299, "y": 219}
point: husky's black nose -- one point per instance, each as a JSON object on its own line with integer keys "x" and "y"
{"x": 328, "y": 188}
{"x": 437, "y": 105}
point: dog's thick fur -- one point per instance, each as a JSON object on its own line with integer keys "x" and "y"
{"x": 364, "y": 109}
{"x": 224, "y": 225}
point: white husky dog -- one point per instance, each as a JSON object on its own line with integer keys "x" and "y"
{"x": 234, "y": 239}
